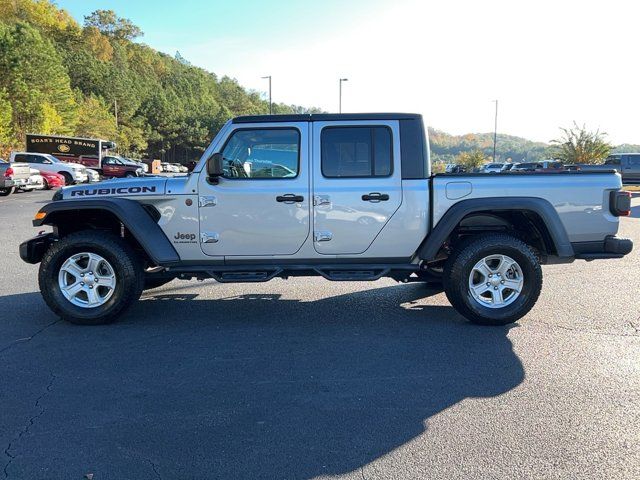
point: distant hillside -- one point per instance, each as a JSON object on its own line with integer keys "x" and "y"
{"x": 445, "y": 147}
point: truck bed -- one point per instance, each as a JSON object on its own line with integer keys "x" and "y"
{"x": 580, "y": 198}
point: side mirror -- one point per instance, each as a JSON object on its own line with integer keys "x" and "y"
{"x": 214, "y": 166}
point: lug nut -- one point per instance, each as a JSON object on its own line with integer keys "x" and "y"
{"x": 82, "y": 274}
{"x": 488, "y": 284}
{"x": 502, "y": 281}
{"x": 91, "y": 286}
{"x": 495, "y": 288}
{"x": 490, "y": 275}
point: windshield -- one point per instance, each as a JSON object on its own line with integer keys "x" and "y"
{"x": 52, "y": 158}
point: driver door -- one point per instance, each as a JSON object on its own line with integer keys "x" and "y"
{"x": 260, "y": 206}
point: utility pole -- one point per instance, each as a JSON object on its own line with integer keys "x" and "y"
{"x": 495, "y": 132}
{"x": 340, "y": 94}
{"x": 115, "y": 108}
{"x": 270, "y": 104}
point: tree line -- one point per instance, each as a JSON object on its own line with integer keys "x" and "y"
{"x": 60, "y": 77}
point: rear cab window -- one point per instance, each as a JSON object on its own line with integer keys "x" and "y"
{"x": 358, "y": 151}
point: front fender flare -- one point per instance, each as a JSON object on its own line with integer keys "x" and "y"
{"x": 132, "y": 215}
{"x": 452, "y": 217}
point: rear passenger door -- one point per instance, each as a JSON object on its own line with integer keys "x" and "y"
{"x": 357, "y": 183}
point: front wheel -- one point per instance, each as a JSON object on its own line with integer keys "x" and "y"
{"x": 68, "y": 179}
{"x": 90, "y": 278}
{"x": 493, "y": 279}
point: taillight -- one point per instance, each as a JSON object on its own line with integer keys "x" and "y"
{"x": 8, "y": 172}
{"x": 620, "y": 203}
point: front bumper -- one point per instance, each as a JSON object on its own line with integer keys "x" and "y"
{"x": 32, "y": 250}
{"x": 611, "y": 247}
{"x": 80, "y": 177}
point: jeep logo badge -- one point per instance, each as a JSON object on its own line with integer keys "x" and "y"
{"x": 184, "y": 238}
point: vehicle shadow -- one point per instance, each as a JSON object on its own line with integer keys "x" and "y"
{"x": 253, "y": 386}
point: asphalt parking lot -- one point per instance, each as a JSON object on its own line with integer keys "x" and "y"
{"x": 307, "y": 378}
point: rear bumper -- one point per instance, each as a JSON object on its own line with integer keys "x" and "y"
{"x": 32, "y": 250}
{"x": 7, "y": 183}
{"x": 610, "y": 247}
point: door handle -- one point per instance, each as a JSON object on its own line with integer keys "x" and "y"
{"x": 375, "y": 197}
{"x": 290, "y": 198}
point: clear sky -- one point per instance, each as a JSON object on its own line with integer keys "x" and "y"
{"x": 548, "y": 62}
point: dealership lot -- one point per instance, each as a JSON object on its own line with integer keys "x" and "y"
{"x": 311, "y": 379}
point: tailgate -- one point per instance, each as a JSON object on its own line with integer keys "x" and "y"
{"x": 21, "y": 171}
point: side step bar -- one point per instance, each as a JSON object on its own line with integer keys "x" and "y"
{"x": 264, "y": 273}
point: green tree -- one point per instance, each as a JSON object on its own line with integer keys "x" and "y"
{"x": 6, "y": 132}
{"x": 35, "y": 81}
{"x": 110, "y": 24}
{"x": 472, "y": 159}
{"x": 579, "y": 145}
{"x": 94, "y": 119}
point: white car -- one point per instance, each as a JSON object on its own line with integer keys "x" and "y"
{"x": 492, "y": 168}
{"x": 35, "y": 182}
{"x": 72, "y": 172}
{"x": 170, "y": 168}
{"x": 92, "y": 175}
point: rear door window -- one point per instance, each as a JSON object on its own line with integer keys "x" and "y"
{"x": 348, "y": 152}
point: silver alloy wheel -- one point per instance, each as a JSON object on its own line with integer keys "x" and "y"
{"x": 496, "y": 281}
{"x": 87, "y": 280}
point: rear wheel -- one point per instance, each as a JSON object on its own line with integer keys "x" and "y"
{"x": 493, "y": 279}
{"x": 46, "y": 184}
{"x": 7, "y": 191}
{"x": 90, "y": 277}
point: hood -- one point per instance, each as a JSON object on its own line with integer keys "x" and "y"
{"x": 120, "y": 187}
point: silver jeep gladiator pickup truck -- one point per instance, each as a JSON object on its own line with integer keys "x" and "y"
{"x": 347, "y": 197}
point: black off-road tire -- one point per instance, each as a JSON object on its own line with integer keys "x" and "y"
{"x": 127, "y": 268}
{"x": 7, "y": 191}
{"x": 458, "y": 268}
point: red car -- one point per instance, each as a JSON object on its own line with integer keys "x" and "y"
{"x": 52, "y": 180}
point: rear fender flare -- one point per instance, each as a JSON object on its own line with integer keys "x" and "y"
{"x": 452, "y": 217}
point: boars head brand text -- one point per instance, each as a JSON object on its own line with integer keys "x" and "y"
{"x": 88, "y": 192}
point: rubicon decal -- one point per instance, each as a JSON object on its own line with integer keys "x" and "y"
{"x": 89, "y": 192}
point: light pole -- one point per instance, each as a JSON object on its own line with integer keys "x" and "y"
{"x": 270, "y": 104}
{"x": 495, "y": 132}
{"x": 340, "y": 94}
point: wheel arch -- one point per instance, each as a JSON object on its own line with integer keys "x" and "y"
{"x": 122, "y": 216}
{"x": 532, "y": 219}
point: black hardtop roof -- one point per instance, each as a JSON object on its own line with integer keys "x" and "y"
{"x": 326, "y": 117}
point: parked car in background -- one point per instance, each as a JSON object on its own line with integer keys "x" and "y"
{"x": 526, "y": 167}
{"x": 551, "y": 166}
{"x": 72, "y": 172}
{"x": 52, "y": 180}
{"x": 35, "y": 182}
{"x": 454, "y": 168}
{"x": 492, "y": 168}
{"x": 169, "y": 168}
{"x": 628, "y": 164}
{"x": 93, "y": 175}
{"x": 507, "y": 167}
{"x": 12, "y": 176}
{"x": 137, "y": 163}
{"x": 181, "y": 168}
{"x": 117, "y": 167}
